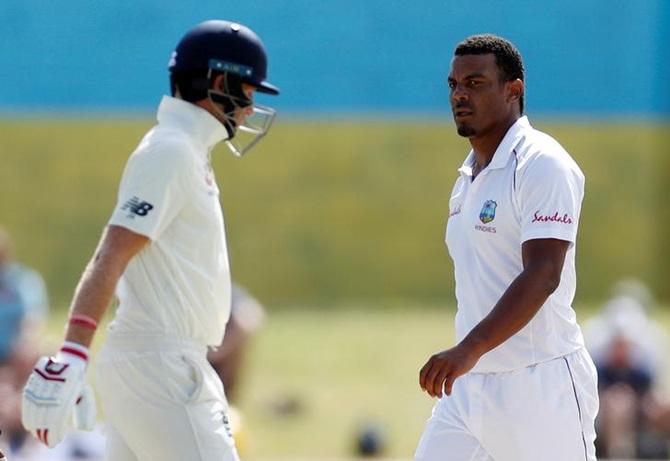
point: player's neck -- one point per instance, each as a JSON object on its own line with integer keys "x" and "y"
{"x": 485, "y": 145}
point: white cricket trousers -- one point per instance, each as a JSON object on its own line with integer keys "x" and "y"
{"x": 545, "y": 412}
{"x": 162, "y": 402}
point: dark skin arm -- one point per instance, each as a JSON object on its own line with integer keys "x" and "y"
{"x": 542, "y": 265}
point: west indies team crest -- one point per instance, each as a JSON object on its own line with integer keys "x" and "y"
{"x": 488, "y": 212}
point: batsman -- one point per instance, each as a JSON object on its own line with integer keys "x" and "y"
{"x": 164, "y": 254}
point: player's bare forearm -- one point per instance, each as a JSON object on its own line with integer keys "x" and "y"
{"x": 92, "y": 296}
{"x": 543, "y": 262}
{"x": 96, "y": 287}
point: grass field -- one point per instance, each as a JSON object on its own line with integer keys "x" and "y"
{"x": 344, "y": 368}
{"x": 315, "y": 375}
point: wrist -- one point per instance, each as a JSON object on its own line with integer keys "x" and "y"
{"x": 83, "y": 320}
{"x": 74, "y": 354}
{"x": 474, "y": 346}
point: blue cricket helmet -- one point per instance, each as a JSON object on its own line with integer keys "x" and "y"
{"x": 224, "y": 46}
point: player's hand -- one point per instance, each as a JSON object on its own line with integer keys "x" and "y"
{"x": 52, "y": 392}
{"x": 442, "y": 369}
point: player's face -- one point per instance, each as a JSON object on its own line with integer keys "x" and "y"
{"x": 241, "y": 113}
{"x": 478, "y": 96}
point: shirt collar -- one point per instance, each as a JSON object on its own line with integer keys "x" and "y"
{"x": 195, "y": 121}
{"x": 504, "y": 150}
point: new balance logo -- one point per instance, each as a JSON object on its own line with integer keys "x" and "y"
{"x": 140, "y": 208}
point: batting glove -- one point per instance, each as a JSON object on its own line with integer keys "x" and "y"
{"x": 56, "y": 393}
{"x": 84, "y": 413}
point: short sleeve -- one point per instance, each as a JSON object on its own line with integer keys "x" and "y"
{"x": 153, "y": 190}
{"x": 550, "y": 191}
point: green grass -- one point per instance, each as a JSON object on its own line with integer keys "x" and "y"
{"x": 329, "y": 211}
{"x": 342, "y": 367}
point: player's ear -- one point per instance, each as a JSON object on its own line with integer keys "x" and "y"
{"x": 219, "y": 83}
{"x": 515, "y": 89}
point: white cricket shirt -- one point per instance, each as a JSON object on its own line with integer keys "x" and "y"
{"x": 532, "y": 189}
{"x": 179, "y": 285}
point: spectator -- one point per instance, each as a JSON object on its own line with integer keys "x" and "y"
{"x": 23, "y": 301}
{"x": 627, "y": 348}
{"x": 246, "y": 317}
{"x": 23, "y": 310}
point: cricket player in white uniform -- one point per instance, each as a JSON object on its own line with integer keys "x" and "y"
{"x": 164, "y": 252}
{"x": 519, "y": 385}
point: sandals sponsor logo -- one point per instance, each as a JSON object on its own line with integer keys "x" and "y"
{"x": 565, "y": 219}
{"x": 456, "y": 211}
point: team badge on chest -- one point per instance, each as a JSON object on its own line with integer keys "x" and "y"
{"x": 488, "y": 212}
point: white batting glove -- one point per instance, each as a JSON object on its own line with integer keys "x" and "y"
{"x": 52, "y": 392}
{"x": 84, "y": 413}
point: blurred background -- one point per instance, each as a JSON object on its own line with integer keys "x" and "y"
{"x": 335, "y": 221}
